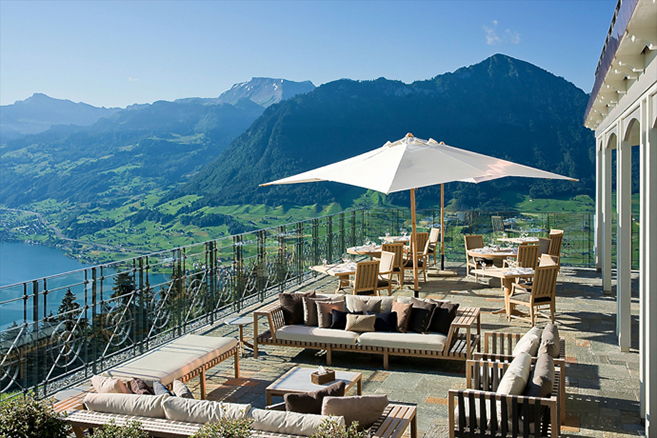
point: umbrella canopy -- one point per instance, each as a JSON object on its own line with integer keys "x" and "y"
{"x": 411, "y": 163}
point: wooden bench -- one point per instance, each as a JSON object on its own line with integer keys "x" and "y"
{"x": 394, "y": 421}
{"x": 461, "y": 341}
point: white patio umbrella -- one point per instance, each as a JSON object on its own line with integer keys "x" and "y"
{"x": 411, "y": 163}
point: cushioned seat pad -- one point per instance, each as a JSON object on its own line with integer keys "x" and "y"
{"x": 524, "y": 296}
{"x": 172, "y": 361}
{"x": 304, "y": 333}
{"x": 412, "y": 341}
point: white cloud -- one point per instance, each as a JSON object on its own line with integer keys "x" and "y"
{"x": 492, "y": 38}
{"x": 132, "y": 80}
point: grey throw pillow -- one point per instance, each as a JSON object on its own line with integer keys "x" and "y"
{"x": 160, "y": 389}
{"x": 541, "y": 378}
{"x": 550, "y": 336}
{"x": 371, "y": 305}
{"x": 311, "y": 402}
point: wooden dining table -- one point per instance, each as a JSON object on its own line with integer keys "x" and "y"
{"x": 497, "y": 255}
{"x": 368, "y": 250}
{"x": 508, "y": 276}
{"x": 340, "y": 270}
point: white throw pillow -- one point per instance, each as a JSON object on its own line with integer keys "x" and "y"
{"x": 529, "y": 343}
{"x": 129, "y": 404}
{"x": 203, "y": 411}
{"x": 291, "y": 423}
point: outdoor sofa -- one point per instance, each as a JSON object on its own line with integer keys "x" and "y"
{"x": 157, "y": 421}
{"x": 459, "y": 343}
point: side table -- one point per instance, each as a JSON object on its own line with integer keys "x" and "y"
{"x": 241, "y": 322}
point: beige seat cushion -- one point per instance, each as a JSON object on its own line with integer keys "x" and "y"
{"x": 173, "y": 360}
{"x": 413, "y": 341}
{"x": 128, "y": 404}
{"x": 291, "y": 423}
{"x": 303, "y": 333}
{"x": 109, "y": 385}
{"x": 203, "y": 411}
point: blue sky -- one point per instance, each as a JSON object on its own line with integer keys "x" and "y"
{"x": 116, "y": 53}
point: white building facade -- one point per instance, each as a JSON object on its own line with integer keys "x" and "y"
{"x": 623, "y": 112}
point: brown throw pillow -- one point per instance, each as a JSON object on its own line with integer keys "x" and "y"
{"x": 365, "y": 409}
{"x": 360, "y": 323}
{"x": 310, "y": 309}
{"x": 442, "y": 318}
{"x": 421, "y": 314}
{"x": 138, "y": 386}
{"x": 292, "y": 305}
{"x": 403, "y": 315}
{"x": 371, "y": 305}
{"x": 311, "y": 402}
{"x": 324, "y": 309}
{"x": 550, "y": 337}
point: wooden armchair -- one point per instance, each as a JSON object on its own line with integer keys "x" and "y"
{"x": 386, "y": 265}
{"x": 398, "y": 264}
{"x": 366, "y": 278}
{"x": 422, "y": 242}
{"x": 540, "y": 295}
{"x": 527, "y": 256}
{"x": 434, "y": 237}
{"x": 472, "y": 241}
{"x": 543, "y": 246}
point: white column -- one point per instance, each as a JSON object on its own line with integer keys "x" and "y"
{"x": 624, "y": 242}
{"x": 643, "y": 202}
{"x": 651, "y": 276}
{"x": 597, "y": 242}
{"x": 606, "y": 218}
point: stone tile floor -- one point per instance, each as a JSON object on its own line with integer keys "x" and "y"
{"x": 602, "y": 384}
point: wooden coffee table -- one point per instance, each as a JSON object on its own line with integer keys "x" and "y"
{"x": 298, "y": 380}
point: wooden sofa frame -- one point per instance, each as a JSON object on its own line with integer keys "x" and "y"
{"x": 392, "y": 424}
{"x": 75, "y": 402}
{"x": 482, "y": 379}
{"x": 460, "y": 345}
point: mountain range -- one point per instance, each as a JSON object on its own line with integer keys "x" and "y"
{"x": 128, "y": 151}
{"x": 502, "y": 107}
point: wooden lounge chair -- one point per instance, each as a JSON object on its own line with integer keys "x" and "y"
{"x": 386, "y": 265}
{"x": 366, "y": 279}
{"x": 398, "y": 265}
{"x": 393, "y": 423}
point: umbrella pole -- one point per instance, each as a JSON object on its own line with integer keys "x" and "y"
{"x": 442, "y": 227}
{"x": 414, "y": 243}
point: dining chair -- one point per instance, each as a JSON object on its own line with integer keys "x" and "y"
{"x": 527, "y": 256}
{"x": 366, "y": 278}
{"x": 556, "y": 239}
{"x": 434, "y": 237}
{"x": 541, "y": 294}
{"x": 398, "y": 264}
{"x": 422, "y": 242}
{"x": 543, "y": 246}
{"x": 386, "y": 265}
{"x": 472, "y": 241}
{"x": 498, "y": 225}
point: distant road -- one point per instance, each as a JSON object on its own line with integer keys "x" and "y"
{"x": 59, "y": 234}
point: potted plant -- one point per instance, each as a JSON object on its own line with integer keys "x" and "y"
{"x": 226, "y": 429}
{"x": 132, "y": 429}
{"x": 30, "y": 418}
{"x": 330, "y": 429}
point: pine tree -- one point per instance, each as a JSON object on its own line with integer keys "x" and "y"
{"x": 69, "y": 312}
{"x": 124, "y": 287}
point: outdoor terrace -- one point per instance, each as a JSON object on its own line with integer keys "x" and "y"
{"x": 601, "y": 382}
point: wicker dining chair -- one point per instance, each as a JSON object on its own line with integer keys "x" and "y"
{"x": 556, "y": 239}
{"x": 386, "y": 265}
{"x": 541, "y": 294}
{"x": 422, "y": 259}
{"x": 366, "y": 279}
{"x": 398, "y": 264}
{"x": 434, "y": 237}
